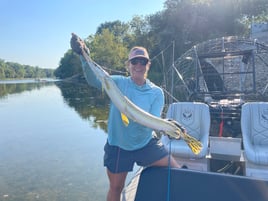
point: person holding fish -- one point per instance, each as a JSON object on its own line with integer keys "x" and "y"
{"x": 129, "y": 142}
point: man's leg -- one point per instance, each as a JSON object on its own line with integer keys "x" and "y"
{"x": 166, "y": 161}
{"x": 117, "y": 182}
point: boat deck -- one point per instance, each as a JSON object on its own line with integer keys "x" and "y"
{"x": 222, "y": 175}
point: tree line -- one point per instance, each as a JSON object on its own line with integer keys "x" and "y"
{"x": 167, "y": 34}
{"x": 11, "y": 70}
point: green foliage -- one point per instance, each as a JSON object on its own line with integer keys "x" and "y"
{"x": 183, "y": 23}
{"x": 117, "y": 28}
{"x": 108, "y": 50}
{"x": 70, "y": 65}
{"x": 11, "y": 70}
{"x": 16, "y": 88}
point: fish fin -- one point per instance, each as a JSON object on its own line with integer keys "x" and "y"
{"x": 124, "y": 119}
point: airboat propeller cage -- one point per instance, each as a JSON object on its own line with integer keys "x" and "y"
{"x": 220, "y": 68}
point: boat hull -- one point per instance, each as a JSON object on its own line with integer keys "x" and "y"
{"x": 160, "y": 184}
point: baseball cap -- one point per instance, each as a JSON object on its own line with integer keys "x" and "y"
{"x": 137, "y": 51}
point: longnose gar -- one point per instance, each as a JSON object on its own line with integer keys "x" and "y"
{"x": 132, "y": 111}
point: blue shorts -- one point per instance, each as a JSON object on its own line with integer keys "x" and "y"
{"x": 118, "y": 160}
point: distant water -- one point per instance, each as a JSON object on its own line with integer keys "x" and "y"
{"x": 14, "y": 81}
{"x": 51, "y": 148}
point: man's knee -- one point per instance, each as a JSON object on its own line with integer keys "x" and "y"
{"x": 116, "y": 187}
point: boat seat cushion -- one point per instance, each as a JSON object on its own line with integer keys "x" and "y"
{"x": 254, "y": 126}
{"x": 195, "y": 118}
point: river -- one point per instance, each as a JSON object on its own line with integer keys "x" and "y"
{"x": 51, "y": 142}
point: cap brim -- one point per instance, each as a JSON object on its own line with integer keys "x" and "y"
{"x": 138, "y": 56}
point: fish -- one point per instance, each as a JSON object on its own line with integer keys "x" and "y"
{"x": 129, "y": 110}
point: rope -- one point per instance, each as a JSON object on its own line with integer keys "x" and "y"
{"x": 115, "y": 71}
{"x": 169, "y": 167}
{"x": 221, "y": 124}
{"x": 169, "y": 94}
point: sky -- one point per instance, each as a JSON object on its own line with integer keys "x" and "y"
{"x": 38, "y": 32}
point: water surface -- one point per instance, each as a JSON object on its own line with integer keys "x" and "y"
{"x": 51, "y": 143}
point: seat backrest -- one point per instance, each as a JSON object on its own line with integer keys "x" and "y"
{"x": 193, "y": 116}
{"x": 254, "y": 122}
{"x": 254, "y": 127}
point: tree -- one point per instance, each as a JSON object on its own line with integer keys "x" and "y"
{"x": 29, "y": 72}
{"x": 19, "y": 70}
{"x": 119, "y": 29}
{"x": 107, "y": 50}
{"x": 182, "y": 23}
{"x": 70, "y": 65}
{"x": 188, "y": 22}
{"x": 11, "y": 70}
{"x": 9, "y": 73}
{"x": 2, "y": 69}
{"x": 140, "y": 31}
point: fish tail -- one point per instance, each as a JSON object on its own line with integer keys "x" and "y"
{"x": 195, "y": 145}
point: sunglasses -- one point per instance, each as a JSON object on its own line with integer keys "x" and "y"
{"x": 142, "y": 61}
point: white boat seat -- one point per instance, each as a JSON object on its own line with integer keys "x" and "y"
{"x": 254, "y": 127}
{"x": 195, "y": 118}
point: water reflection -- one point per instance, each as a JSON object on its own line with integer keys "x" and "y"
{"x": 88, "y": 102}
{"x": 51, "y": 142}
{"x": 15, "y": 87}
